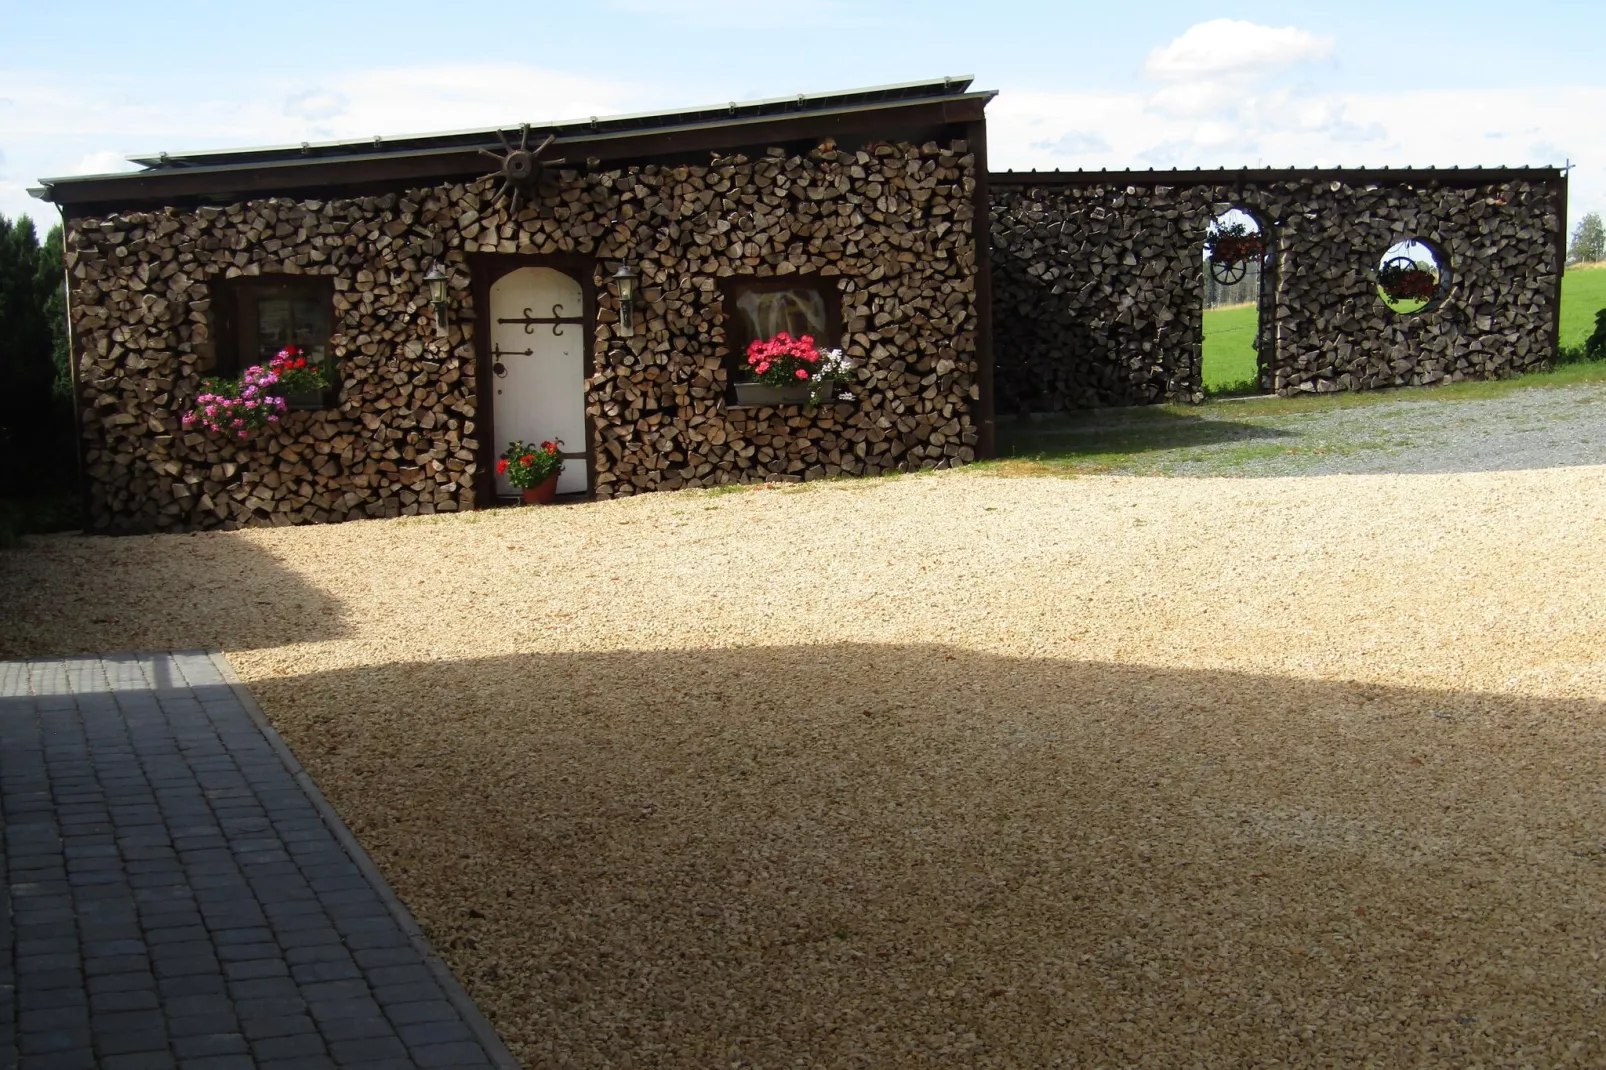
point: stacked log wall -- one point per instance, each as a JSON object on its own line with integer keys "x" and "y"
{"x": 1098, "y": 288}
{"x": 892, "y": 223}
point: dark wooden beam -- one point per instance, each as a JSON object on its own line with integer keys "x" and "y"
{"x": 1382, "y": 176}
{"x": 981, "y": 234}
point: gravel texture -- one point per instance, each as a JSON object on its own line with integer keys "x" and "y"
{"x": 1415, "y": 434}
{"x": 951, "y": 769}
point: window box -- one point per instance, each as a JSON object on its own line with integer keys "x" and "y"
{"x": 764, "y": 394}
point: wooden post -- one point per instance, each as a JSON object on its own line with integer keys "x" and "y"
{"x": 986, "y": 416}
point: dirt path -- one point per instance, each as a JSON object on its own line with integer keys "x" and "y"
{"x": 952, "y": 769}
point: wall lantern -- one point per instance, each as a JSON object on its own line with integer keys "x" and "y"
{"x": 437, "y": 279}
{"x": 625, "y": 283}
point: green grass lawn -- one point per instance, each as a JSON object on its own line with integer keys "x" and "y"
{"x": 1583, "y": 293}
{"x": 1229, "y": 352}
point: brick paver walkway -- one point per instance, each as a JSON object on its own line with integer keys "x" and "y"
{"x": 178, "y": 895}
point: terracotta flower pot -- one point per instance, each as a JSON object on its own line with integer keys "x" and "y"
{"x": 543, "y": 492}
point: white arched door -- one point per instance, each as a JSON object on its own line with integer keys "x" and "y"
{"x": 538, "y": 367}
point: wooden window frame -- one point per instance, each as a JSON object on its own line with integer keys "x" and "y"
{"x": 736, "y": 340}
{"x": 235, "y": 324}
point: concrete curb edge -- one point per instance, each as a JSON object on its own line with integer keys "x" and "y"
{"x": 482, "y": 1029}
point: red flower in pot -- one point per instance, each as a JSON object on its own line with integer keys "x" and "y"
{"x": 533, "y": 470}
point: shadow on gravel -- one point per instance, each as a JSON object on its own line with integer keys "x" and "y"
{"x": 1089, "y": 437}
{"x": 1449, "y": 430}
{"x": 901, "y": 855}
{"x": 82, "y": 594}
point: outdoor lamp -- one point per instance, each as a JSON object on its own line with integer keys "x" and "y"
{"x": 437, "y": 279}
{"x": 625, "y": 281}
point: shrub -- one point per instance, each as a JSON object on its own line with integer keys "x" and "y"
{"x": 1595, "y": 344}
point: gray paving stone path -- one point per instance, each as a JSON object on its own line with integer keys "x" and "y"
{"x": 178, "y": 895}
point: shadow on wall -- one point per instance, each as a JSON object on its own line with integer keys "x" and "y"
{"x": 1086, "y": 370}
{"x": 45, "y": 587}
{"x": 916, "y": 854}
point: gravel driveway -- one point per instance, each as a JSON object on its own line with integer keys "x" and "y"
{"x": 1417, "y": 433}
{"x": 952, "y": 769}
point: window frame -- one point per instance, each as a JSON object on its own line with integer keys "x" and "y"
{"x": 736, "y": 342}
{"x": 236, "y": 324}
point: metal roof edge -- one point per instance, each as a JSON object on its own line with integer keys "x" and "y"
{"x": 950, "y": 86}
{"x": 602, "y": 138}
{"x": 1204, "y": 175}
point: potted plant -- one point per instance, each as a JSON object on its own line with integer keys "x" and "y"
{"x": 1235, "y": 243}
{"x": 1404, "y": 279}
{"x": 533, "y": 470}
{"x": 791, "y": 371}
{"x": 239, "y": 407}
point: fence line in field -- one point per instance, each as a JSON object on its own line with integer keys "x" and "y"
{"x": 1245, "y": 291}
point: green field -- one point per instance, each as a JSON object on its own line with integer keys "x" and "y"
{"x": 1229, "y": 358}
{"x": 1583, "y": 293}
{"x": 1229, "y": 352}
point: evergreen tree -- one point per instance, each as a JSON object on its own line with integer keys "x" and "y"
{"x": 1589, "y": 241}
{"x": 35, "y": 411}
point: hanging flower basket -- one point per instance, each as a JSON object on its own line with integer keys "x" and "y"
{"x": 1403, "y": 279}
{"x": 1230, "y": 248}
{"x": 1235, "y": 243}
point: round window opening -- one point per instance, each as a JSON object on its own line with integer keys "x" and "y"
{"x": 1411, "y": 276}
{"x": 1233, "y": 242}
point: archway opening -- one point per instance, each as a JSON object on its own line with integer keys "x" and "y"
{"x": 1235, "y": 254}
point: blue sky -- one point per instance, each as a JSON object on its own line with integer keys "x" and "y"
{"x": 1090, "y": 85}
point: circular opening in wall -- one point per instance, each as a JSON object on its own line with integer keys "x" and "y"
{"x": 1411, "y": 276}
{"x": 1235, "y": 246}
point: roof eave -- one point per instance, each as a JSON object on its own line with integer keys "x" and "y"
{"x": 454, "y": 162}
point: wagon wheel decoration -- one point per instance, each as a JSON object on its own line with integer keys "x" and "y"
{"x": 1229, "y": 274}
{"x": 1230, "y": 245}
{"x": 520, "y": 168}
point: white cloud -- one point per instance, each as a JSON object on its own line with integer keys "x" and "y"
{"x": 1276, "y": 128}
{"x": 1235, "y": 48}
{"x": 316, "y": 104}
{"x": 1232, "y": 96}
{"x": 1073, "y": 143}
{"x": 88, "y": 125}
{"x": 102, "y": 163}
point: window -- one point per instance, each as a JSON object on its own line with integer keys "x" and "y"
{"x": 763, "y": 308}
{"x": 255, "y": 317}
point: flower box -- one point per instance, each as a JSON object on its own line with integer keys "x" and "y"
{"x": 785, "y": 394}
{"x": 791, "y": 371}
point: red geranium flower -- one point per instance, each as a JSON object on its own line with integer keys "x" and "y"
{"x": 527, "y": 460}
{"x": 501, "y": 467}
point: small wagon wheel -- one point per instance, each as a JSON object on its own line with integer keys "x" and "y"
{"x": 1229, "y": 274}
{"x": 520, "y": 167}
